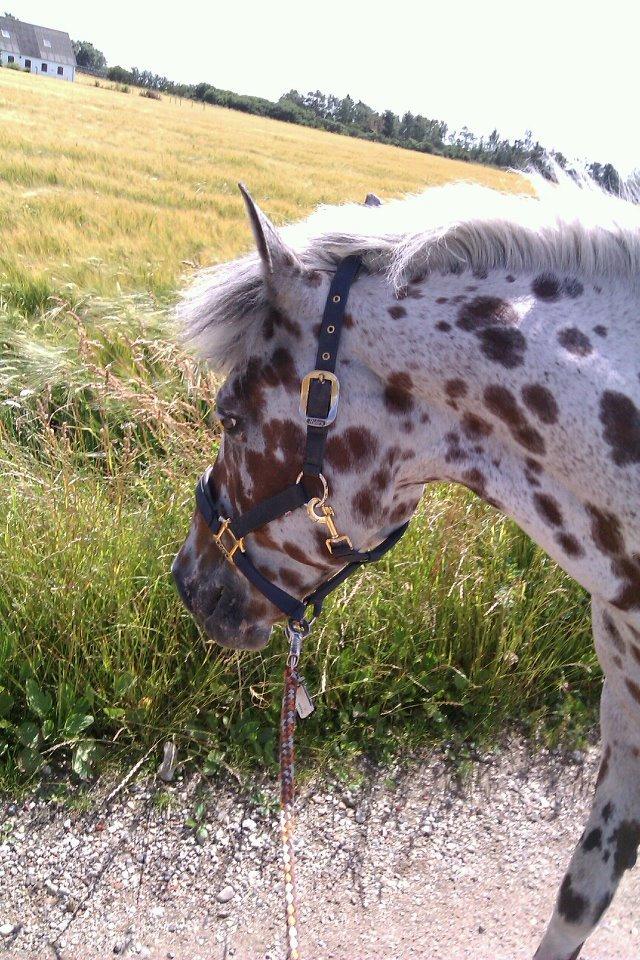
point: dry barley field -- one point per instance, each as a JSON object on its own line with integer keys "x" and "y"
{"x": 108, "y": 201}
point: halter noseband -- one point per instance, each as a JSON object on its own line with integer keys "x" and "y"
{"x": 319, "y": 396}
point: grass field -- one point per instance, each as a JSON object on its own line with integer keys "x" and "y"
{"x": 107, "y": 200}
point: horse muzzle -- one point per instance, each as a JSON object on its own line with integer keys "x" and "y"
{"x": 220, "y": 610}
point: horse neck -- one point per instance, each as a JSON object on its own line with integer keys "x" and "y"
{"x": 500, "y": 363}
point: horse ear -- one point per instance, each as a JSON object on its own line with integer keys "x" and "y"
{"x": 274, "y": 253}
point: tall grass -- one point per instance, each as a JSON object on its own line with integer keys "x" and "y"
{"x": 103, "y": 431}
{"x": 105, "y": 425}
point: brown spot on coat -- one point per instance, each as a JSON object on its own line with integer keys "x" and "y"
{"x": 364, "y": 504}
{"x": 397, "y": 312}
{"x": 443, "y": 326}
{"x": 290, "y": 579}
{"x": 474, "y": 427}
{"x": 627, "y": 569}
{"x": 593, "y": 840}
{"x": 605, "y": 530}
{"x": 302, "y": 556}
{"x": 600, "y": 330}
{"x": 475, "y": 480}
{"x": 486, "y": 312}
{"x": 502, "y": 403}
{"x": 548, "y": 508}
{"x": 571, "y": 904}
{"x": 546, "y": 287}
{"x": 281, "y": 370}
{"x": 504, "y": 346}
{"x": 575, "y": 341}
{"x": 455, "y": 388}
{"x": 397, "y": 393}
{"x": 614, "y": 633}
{"x": 354, "y": 449}
{"x": 381, "y": 478}
{"x": 570, "y": 545}
{"x": 626, "y": 837}
{"x": 621, "y": 421}
{"x": 280, "y": 319}
{"x": 633, "y": 689}
{"x": 541, "y": 402}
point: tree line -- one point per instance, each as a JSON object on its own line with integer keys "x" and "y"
{"x": 354, "y": 118}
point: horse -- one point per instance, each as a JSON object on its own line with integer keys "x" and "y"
{"x": 489, "y": 340}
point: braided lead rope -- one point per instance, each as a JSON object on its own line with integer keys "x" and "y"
{"x": 287, "y": 731}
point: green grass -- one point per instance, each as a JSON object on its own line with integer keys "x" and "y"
{"x": 465, "y": 628}
{"x": 105, "y": 425}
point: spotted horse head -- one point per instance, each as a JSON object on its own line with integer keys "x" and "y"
{"x": 259, "y": 320}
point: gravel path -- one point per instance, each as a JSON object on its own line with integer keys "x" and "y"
{"x": 411, "y": 863}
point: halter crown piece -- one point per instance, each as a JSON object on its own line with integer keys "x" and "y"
{"x": 319, "y": 395}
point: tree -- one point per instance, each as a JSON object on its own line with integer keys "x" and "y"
{"x": 389, "y": 124}
{"x": 119, "y": 75}
{"x": 346, "y": 111}
{"x": 88, "y": 56}
{"x": 407, "y": 127}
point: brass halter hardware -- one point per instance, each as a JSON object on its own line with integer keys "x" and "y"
{"x": 326, "y": 517}
{"x": 237, "y": 543}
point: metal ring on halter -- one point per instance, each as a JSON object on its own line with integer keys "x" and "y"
{"x": 325, "y": 489}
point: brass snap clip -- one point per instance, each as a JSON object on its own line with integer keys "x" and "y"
{"x": 326, "y": 517}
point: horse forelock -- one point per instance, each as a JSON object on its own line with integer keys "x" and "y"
{"x": 568, "y": 227}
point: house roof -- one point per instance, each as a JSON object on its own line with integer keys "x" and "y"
{"x": 41, "y": 43}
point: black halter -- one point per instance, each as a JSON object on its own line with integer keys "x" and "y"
{"x": 318, "y": 405}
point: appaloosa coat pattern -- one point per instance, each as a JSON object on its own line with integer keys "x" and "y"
{"x": 490, "y": 340}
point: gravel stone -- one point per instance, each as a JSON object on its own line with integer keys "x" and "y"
{"x": 225, "y": 895}
{"x": 419, "y": 862}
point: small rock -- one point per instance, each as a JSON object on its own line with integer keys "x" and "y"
{"x": 6, "y": 929}
{"x": 167, "y": 767}
{"x": 226, "y": 894}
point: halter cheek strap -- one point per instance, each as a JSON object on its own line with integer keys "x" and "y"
{"x": 319, "y": 396}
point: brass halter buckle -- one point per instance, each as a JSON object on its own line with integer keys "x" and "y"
{"x": 237, "y": 543}
{"x": 326, "y": 517}
{"x": 322, "y": 376}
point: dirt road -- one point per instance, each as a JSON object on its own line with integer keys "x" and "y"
{"x": 411, "y": 863}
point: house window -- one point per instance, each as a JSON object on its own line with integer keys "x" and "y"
{"x": 60, "y": 71}
{"x": 6, "y": 34}
{"x": 43, "y": 67}
{"x": 11, "y": 59}
{"x": 46, "y": 43}
{"x": 27, "y": 64}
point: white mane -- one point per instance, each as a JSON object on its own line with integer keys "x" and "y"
{"x": 565, "y": 228}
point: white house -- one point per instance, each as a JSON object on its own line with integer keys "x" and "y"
{"x": 37, "y": 49}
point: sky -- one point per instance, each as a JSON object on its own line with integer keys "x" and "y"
{"x": 552, "y": 67}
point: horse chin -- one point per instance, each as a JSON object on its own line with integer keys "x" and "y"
{"x": 234, "y": 637}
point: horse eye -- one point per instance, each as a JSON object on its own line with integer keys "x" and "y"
{"x": 230, "y": 424}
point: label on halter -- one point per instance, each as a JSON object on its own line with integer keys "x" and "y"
{"x": 304, "y": 703}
